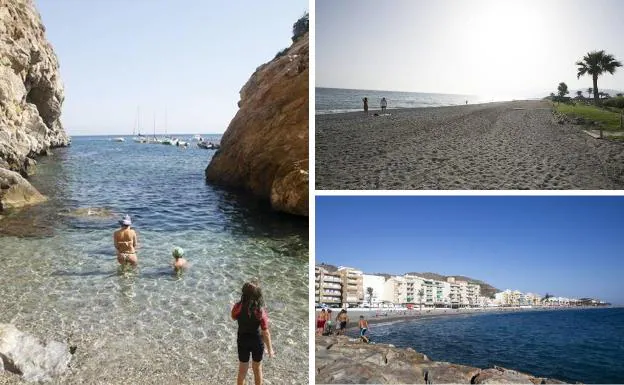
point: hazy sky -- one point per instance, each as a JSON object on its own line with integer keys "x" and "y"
{"x": 493, "y": 48}
{"x": 566, "y": 246}
{"x": 191, "y": 57}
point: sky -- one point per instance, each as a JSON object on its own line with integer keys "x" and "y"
{"x": 189, "y": 58}
{"x": 493, "y": 48}
{"x": 568, "y": 246}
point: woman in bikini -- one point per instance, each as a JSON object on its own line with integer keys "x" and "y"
{"x": 253, "y": 332}
{"x": 125, "y": 240}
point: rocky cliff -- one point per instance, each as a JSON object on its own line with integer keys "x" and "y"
{"x": 31, "y": 94}
{"x": 265, "y": 148}
{"x": 339, "y": 360}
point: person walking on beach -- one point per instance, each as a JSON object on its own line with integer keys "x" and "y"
{"x": 253, "y": 332}
{"x": 341, "y": 320}
{"x": 365, "y": 100}
{"x": 320, "y": 322}
{"x": 384, "y": 104}
{"x": 125, "y": 241}
{"x": 363, "y": 324}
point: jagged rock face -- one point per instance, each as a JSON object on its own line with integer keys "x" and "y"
{"x": 265, "y": 148}
{"x": 31, "y": 92}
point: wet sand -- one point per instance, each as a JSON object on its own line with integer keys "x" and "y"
{"x": 507, "y": 146}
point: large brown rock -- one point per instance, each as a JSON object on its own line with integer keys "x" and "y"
{"x": 16, "y": 192}
{"x": 31, "y": 92}
{"x": 265, "y": 148}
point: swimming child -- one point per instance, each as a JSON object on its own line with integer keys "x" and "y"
{"x": 179, "y": 263}
{"x": 253, "y": 332}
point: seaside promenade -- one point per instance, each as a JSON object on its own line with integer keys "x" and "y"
{"x": 503, "y": 145}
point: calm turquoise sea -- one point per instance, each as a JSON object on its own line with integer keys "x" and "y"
{"x": 570, "y": 345}
{"x": 60, "y": 279}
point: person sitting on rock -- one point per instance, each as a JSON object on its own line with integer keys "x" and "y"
{"x": 179, "y": 263}
{"x": 125, "y": 240}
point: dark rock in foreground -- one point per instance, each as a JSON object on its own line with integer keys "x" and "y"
{"x": 339, "y": 360}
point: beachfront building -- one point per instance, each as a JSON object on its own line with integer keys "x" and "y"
{"x": 395, "y": 290}
{"x": 327, "y": 285}
{"x": 473, "y": 293}
{"x": 352, "y": 286}
{"x": 533, "y": 299}
{"x": 377, "y": 283}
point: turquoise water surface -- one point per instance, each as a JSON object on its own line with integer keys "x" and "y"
{"x": 60, "y": 278}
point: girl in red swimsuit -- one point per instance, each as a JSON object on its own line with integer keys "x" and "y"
{"x": 253, "y": 332}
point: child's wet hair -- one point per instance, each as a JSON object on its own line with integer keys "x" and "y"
{"x": 252, "y": 295}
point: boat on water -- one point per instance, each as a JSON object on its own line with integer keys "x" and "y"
{"x": 196, "y": 138}
{"x": 118, "y": 139}
{"x": 208, "y": 145}
{"x": 137, "y": 128}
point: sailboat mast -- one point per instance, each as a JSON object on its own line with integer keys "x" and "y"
{"x": 139, "y": 120}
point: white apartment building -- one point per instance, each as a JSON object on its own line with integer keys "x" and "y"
{"x": 352, "y": 286}
{"x": 395, "y": 291}
{"x": 327, "y": 286}
{"x": 377, "y": 283}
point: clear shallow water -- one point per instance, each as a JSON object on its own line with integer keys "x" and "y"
{"x": 570, "y": 345}
{"x": 60, "y": 278}
{"x": 335, "y": 100}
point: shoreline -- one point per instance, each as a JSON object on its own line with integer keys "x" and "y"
{"x": 397, "y": 316}
{"x": 372, "y": 111}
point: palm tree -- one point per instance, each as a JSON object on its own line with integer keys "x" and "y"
{"x": 596, "y": 63}
{"x": 421, "y": 294}
{"x": 590, "y": 91}
{"x": 369, "y": 291}
{"x": 579, "y": 94}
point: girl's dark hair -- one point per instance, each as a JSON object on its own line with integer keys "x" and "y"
{"x": 251, "y": 299}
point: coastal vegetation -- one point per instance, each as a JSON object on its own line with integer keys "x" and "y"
{"x": 606, "y": 118}
{"x": 597, "y": 63}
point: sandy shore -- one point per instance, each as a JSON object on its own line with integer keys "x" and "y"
{"x": 506, "y": 145}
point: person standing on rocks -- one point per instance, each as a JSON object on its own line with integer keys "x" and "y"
{"x": 251, "y": 317}
{"x": 342, "y": 319}
{"x": 363, "y": 324}
{"x": 320, "y": 322}
{"x": 384, "y": 104}
{"x": 365, "y": 100}
{"x": 125, "y": 240}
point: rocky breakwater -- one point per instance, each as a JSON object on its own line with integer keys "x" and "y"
{"x": 265, "y": 148}
{"x": 31, "y": 95}
{"x": 340, "y": 360}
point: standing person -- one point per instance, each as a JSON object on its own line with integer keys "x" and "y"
{"x": 363, "y": 324}
{"x": 329, "y": 324}
{"x": 384, "y": 104}
{"x": 179, "y": 262}
{"x": 251, "y": 316}
{"x": 320, "y": 322}
{"x": 125, "y": 240}
{"x": 365, "y": 100}
{"x": 342, "y": 319}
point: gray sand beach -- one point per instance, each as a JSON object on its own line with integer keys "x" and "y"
{"x": 504, "y": 145}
